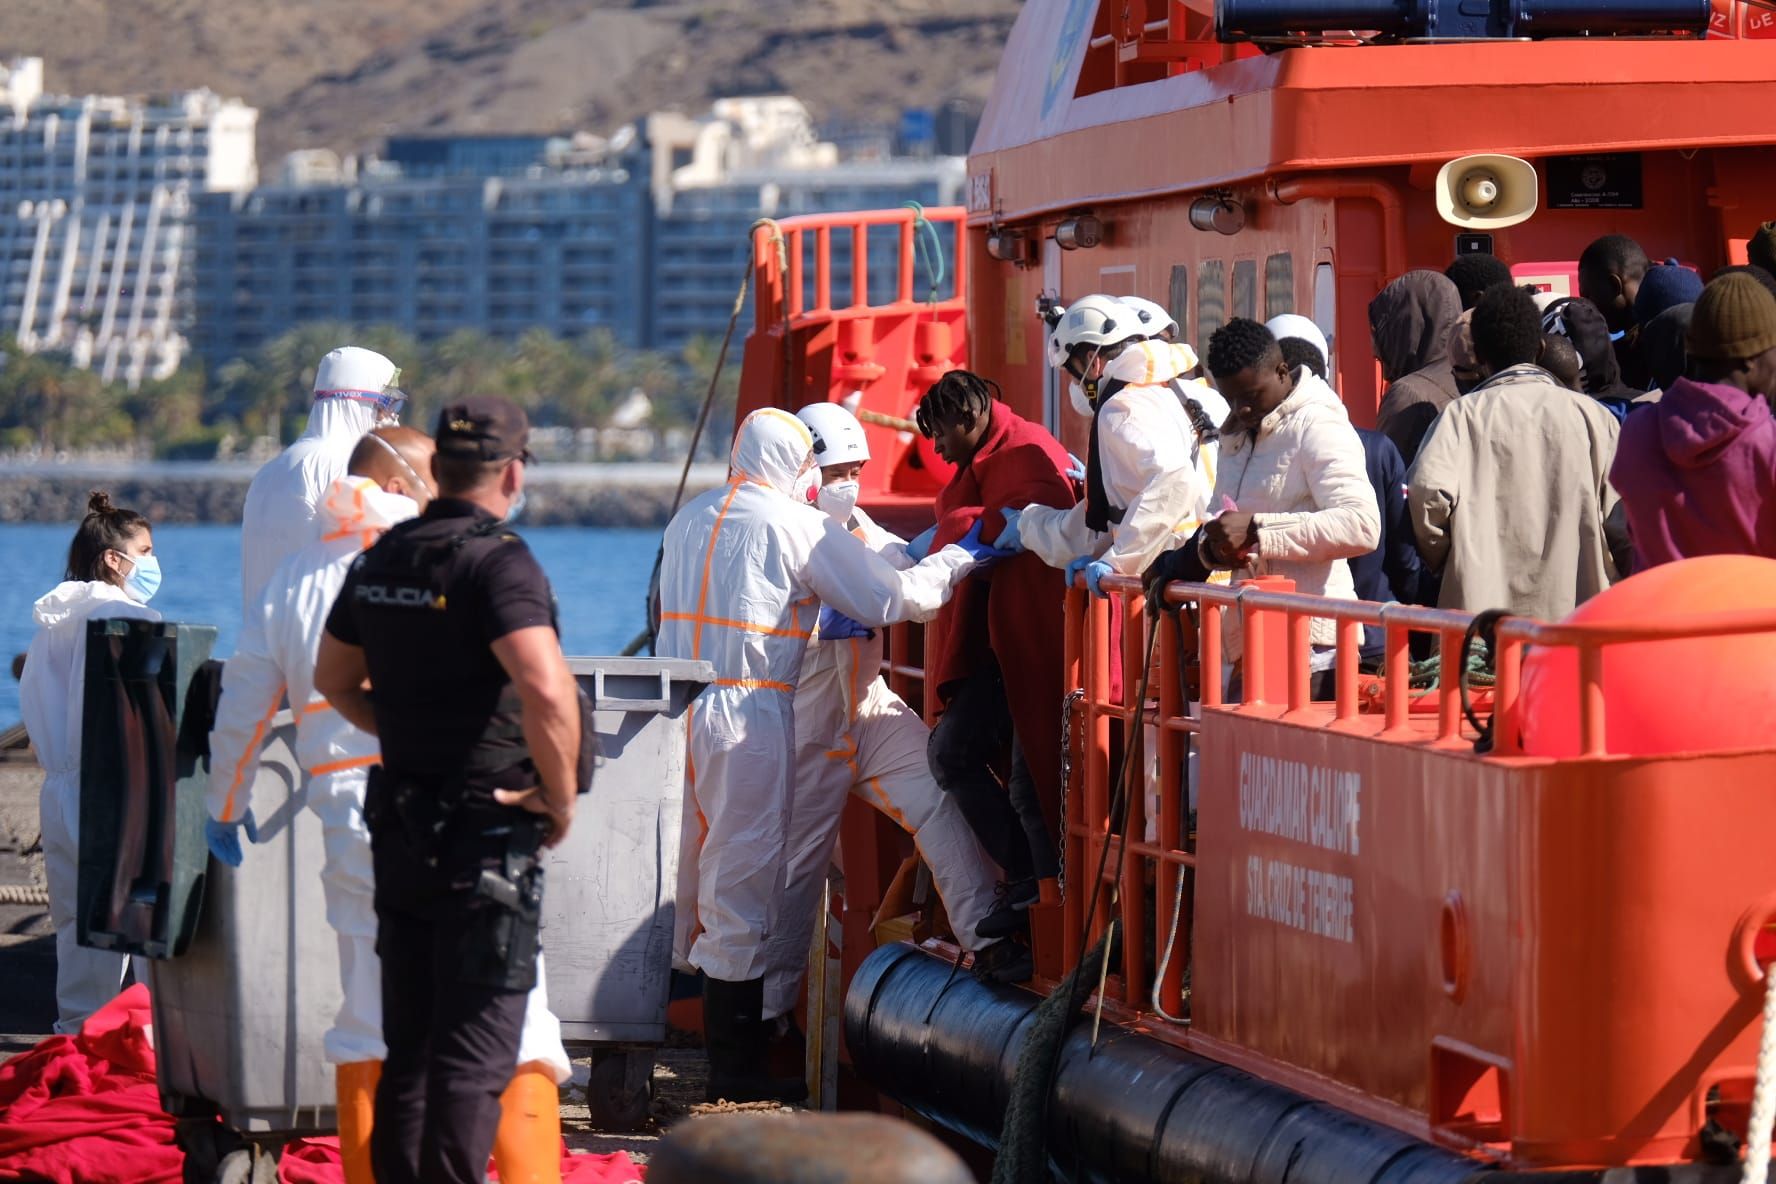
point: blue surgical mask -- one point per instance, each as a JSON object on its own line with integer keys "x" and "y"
{"x": 143, "y": 580}
{"x": 516, "y": 508}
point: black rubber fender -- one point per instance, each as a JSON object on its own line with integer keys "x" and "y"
{"x": 1133, "y": 1109}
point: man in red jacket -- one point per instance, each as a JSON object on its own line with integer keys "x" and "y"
{"x": 996, "y": 660}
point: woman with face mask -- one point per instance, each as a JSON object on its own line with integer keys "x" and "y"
{"x": 112, "y": 572}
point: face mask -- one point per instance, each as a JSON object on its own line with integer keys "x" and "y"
{"x": 516, "y": 508}
{"x": 838, "y": 499}
{"x": 806, "y": 484}
{"x": 143, "y": 580}
{"x": 1076, "y": 396}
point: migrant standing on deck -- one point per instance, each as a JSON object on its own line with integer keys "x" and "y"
{"x": 452, "y": 623}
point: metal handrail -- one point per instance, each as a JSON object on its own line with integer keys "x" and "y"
{"x": 1162, "y": 860}
{"x": 778, "y": 289}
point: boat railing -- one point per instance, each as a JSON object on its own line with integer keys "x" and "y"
{"x": 800, "y": 263}
{"x": 1147, "y": 684}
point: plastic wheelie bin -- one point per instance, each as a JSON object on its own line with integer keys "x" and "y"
{"x": 609, "y": 889}
{"x": 240, "y": 1017}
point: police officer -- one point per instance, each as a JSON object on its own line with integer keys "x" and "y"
{"x": 443, "y": 644}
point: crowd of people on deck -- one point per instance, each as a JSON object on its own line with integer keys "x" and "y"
{"x": 1529, "y": 450}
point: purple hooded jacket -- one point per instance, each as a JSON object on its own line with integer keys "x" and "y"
{"x": 1697, "y": 475}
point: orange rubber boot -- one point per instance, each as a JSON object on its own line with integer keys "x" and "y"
{"x": 527, "y": 1146}
{"x": 356, "y": 1084}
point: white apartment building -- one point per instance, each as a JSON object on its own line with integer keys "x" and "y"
{"x": 96, "y": 195}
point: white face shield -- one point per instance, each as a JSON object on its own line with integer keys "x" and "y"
{"x": 362, "y": 376}
{"x": 390, "y": 403}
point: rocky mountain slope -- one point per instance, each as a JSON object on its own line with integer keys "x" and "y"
{"x": 346, "y": 73}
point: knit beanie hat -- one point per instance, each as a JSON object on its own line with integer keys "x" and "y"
{"x": 1663, "y": 286}
{"x": 1761, "y": 250}
{"x": 1734, "y": 319}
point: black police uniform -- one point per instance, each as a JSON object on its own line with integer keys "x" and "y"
{"x": 458, "y": 886}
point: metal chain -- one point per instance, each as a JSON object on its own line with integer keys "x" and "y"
{"x": 1068, "y": 704}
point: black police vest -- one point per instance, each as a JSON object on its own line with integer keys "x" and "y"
{"x": 414, "y": 566}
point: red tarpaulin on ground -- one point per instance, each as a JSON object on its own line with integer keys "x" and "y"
{"x": 84, "y": 1110}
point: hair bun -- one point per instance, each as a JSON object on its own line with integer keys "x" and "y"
{"x": 100, "y": 503}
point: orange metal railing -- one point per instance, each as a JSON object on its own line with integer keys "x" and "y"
{"x": 781, "y": 253}
{"x": 1160, "y": 851}
{"x": 829, "y": 327}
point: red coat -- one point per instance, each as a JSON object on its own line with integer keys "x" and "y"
{"x": 1013, "y": 609}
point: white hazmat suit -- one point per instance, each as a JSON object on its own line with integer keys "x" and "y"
{"x": 352, "y": 394}
{"x": 1155, "y": 468}
{"x": 855, "y": 736}
{"x": 275, "y": 658}
{"x": 52, "y": 694}
{"x": 745, "y": 570}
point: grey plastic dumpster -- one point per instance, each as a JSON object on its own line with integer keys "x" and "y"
{"x": 244, "y": 987}
{"x": 608, "y": 895}
{"x": 239, "y": 1018}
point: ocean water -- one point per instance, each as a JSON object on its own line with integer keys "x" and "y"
{"x": 600, "y": 578}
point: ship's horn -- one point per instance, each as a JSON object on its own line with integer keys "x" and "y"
{"x": 1486, "y": 192}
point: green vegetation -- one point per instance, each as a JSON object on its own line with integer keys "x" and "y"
{"x": 576, "y": 384}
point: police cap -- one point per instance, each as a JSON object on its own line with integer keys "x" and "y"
{"x": 483, "y": 427}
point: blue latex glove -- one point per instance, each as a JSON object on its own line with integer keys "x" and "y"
{"x": 836, "y": 626}
{"x": 1077, "y": 472}
{"x": 223, "y": 838}
{"x": 920, "y": 546}
{"x": 1095, "y": 570}
{"x": 982, "y": 552}
{"x": 1009, "y": 539}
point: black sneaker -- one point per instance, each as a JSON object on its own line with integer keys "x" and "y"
{"x": 1011, "y": 905}
{"x": 1004, "y": 961}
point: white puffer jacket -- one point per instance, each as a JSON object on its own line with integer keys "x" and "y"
{"x": 1303, "y": 475}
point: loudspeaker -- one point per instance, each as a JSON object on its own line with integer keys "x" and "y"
{"x": 1486, "y": 192}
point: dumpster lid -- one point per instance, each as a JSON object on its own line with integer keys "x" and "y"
{"x": 676, "y": 669}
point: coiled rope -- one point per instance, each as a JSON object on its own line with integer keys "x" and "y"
{"x": 24, "y": 894}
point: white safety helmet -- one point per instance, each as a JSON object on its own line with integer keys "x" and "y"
{"x": 1293, "y": 324}
{"x": 364, "y": 375}
{"x": 838, "y": 437}
{"x": 1057, "y": 353}
{"x": 1094, "y": 320}
{"x": 1153, "y": 316}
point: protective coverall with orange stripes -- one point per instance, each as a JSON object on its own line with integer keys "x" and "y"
{"x": 746, "y": 568}
{"x": 1156, "y": 470}
{"x": 855, "y": 736}
{"x": 277, "y": 651}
